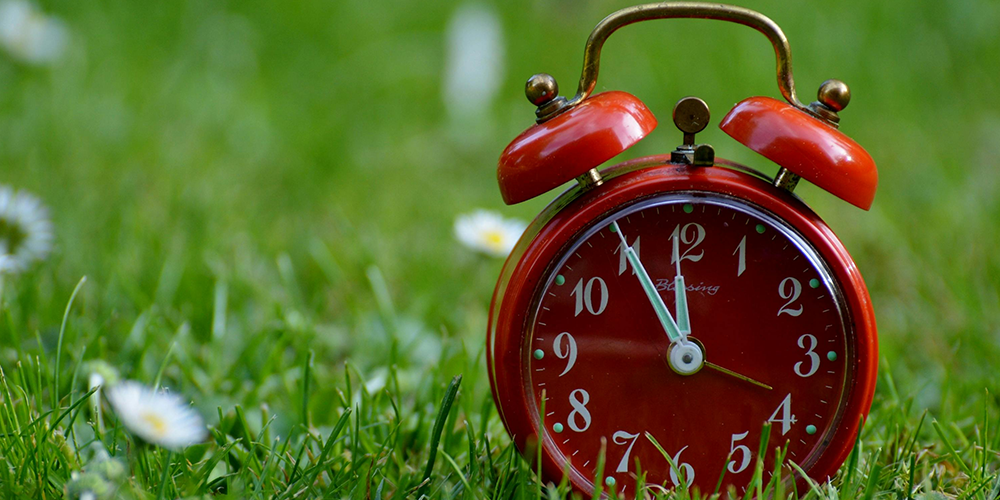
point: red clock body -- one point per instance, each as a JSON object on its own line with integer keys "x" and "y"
{"x": 578, "y": 358}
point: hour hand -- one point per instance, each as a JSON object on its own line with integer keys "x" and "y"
{"x": 737, "y": 375}
{"x": 666, "y": 320}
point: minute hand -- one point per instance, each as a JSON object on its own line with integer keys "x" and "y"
{"x": 666, "y": 320}
{"x": 680, "y": 293}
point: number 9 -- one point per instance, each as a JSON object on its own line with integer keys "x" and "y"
{"x": 570, "y": 351}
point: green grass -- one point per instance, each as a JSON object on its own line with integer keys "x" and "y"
{"x": 261, "y": 199}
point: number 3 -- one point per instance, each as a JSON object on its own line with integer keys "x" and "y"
{"x": 813, "y": 357}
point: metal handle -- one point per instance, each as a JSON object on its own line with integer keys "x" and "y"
{"x": 687, "y": 10}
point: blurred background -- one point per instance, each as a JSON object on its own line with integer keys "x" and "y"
{"x": 274, "y": 178}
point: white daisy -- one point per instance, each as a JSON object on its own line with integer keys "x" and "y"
{"x": 488, "y": 232}
{"x": 161, "y": 418}
{"x": 474, "y": 67}
{"x": 25, "y": 230}
{"x": 29, "y": 34}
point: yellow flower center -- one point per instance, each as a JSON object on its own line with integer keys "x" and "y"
{"x": 156, "y": 422}
{"x": 493, "y": 238}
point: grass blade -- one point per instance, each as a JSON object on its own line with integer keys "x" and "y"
{"x": 59, "y": 345}
{"x": 449, "y": 398}
{"x": 951, "y": 449}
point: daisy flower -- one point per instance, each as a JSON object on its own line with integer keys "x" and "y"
{"x": 25, "y": 230}
{"x": 488, "y": 232}
{"x": 160, "y": 418}
{"x": 29, "y": 34}
{"x": 474, "y": 65}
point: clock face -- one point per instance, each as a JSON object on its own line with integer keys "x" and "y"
{"x": 764, "y": 313}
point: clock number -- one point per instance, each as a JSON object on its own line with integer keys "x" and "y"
{"x": 624, "y": 438}
{"x": 785, "y": 409}
{"x": 623, "y": 258}
{"x": 679, "y": 466}
{"x": 691, "y": 234}
{"x": 569, "y": 353}
{"x": 741, "y": 249}
{"x": 578, "y": 399}
{"x": 813, "y": 357}
{"x": 792, "y": 295}
{"x": 733, "y": 448}
{"x": 585, "y": 296}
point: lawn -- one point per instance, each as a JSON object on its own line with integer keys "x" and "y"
{"x": 261, "y": 198}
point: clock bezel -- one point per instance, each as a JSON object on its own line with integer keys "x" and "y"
{"x": 624, "y": 183}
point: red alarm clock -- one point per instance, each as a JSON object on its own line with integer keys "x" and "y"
{"x": 681, "y": 301}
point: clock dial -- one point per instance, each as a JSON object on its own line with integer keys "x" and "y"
{"x": 762, "y": 309}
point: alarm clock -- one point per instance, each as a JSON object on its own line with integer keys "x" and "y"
{"x": 666, "y": 317}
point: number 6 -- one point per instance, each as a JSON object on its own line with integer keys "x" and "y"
{"x": 684, "y": 468}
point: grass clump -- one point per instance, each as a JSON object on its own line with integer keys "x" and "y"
{"x": 262, "y": 199}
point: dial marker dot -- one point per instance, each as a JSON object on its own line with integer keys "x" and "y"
{"x": 760, "y": 229}
{"x": 557, "y": 427}
{"x": 832, "y": 356}
{"x": 610, "y": 481}
{"x": 814, "y": 283}
{"x": 539, "y": 354}
{"x": 560, "y": 280}
{"x": 612, "y": 228}
{"x": 688, "y": 208}
{"x": 810, "y": 429}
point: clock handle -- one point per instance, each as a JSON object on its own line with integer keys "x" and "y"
{"x": 671, "y": 10}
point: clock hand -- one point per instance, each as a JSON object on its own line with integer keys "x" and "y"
{"x": 737, "y": 375}
{"x": 680, "y": 294}
{"x": 666, "y": 320}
